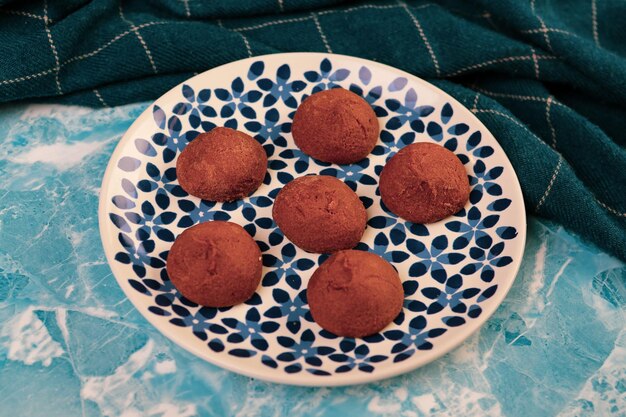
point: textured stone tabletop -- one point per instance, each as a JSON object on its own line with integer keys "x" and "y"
{"x": 71, "y": 344}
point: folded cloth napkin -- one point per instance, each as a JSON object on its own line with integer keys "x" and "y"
{"x": 547, "y": 78}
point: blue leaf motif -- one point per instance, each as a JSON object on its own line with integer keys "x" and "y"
{"x": 446, "y": 113}
{"x": 410, "y": 99}
{"x": 242, "y": 353}
{"x": 506, "y": 232}
{"x": 457, "y": 226}
{"x": 128, "y": 164}
{"x": 159, "y": 139}
{"x": 129, "y": 188}
{"x": 434, "y": 131}
{"x": 256, "y": 70}
{"x": 188, "y": 93}
{"x": 380, "y": 222}
{"x": 204, "y": 95}
{"x": 398, "y": 84}
{"x": 484, "y": 152}
{"x": 458, "y": 129}
{"x": 410, "y": 287}
{"x": 474, "y": 140}
{"x": 144, "y": 147}
{"x": 119, "y": 222}
{"x": 365, "y": 75}
{"x": 495, "y": 173}
{"x": 311, "y": 76}
{"x": 237, "y": 85}
{"x": 138, "y": 286}
{"x": 284, "y": 72}
{"x": 340, "y": 75}
{"x": 499, "y": 205}
{"x": 392, "y": 104}
{"x": 174, "y": 125}
{"x": 325, "y": 65}
{"x": 159, "y": 116}
{"x": 503, "y": 261}
{"x": 454, "y": 321}
{"x": 122, "y": 202}
{"x": 424, "y": 111}
{"x": 488, "y": 293}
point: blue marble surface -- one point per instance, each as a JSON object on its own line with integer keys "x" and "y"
{"x": 71, "y": 344}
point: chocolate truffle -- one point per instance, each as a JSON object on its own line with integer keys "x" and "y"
{"x": 215, "y": 264}
{"x": 424, "y": 183}
{"x": 355, "y": 294}
{"x": 320, "y": 214}
{"x": 335, "y": 126}
{"x": 221, "y": 165}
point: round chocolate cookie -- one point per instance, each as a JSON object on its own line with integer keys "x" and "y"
{"x": 355, "y": 294}
{"x": 221, "y": 165}
{"x": 335, "y": 126}
{"x": 424, "y": 183}
{"x": 320, "y": 214}
{"x": 215, "y": 264}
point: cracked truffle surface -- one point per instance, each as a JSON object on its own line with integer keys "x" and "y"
{"x": 215, "y": 264}
{"x": 335, "y": 126}
{"x": 320, "y": 214}
{"x": 221, "y": 165}
{"x": 424, "y": 183}
{"x": 355, "y": 294}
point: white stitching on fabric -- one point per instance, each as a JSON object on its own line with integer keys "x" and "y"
{"x": 594, "y": 22}
{"x": 544, "y": 28}
{"x": 549, "y": 120}
{"x": 281, "y": 6}
{"x": 550, "y": 184}
{"x": 424, "y": 38}
{"x": 557, "y": 169}
{"x": 473, "y": 109}
{"x": 115, "y": 39}
{"x": 325, "y": 12}
{"x": 26, "y": 14}
{"x": 610, "y": 209}
{"x": 57, "y": 67}
{"x": 100, "y": 98}
{"x": 499, "y": 60}
{"x": 368, "y": 6}
{"x": 27, "y": 77}
{"x": 272, "y": 23}
{"x": 535, "y": 62}
{"x": 96, "y": 51}
{"x": 141, "y": 40}
{"x": 187, "y": 9}
{"x": 499, "y": 113}
{"x": 145, "y": 47}
{"x": 517, "y": 96}
{"x": 487, "y": 16}
{"x": 245, "y": 41}
{"x": 319, "y": 29}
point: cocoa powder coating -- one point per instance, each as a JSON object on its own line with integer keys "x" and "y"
{"x": 335, "y": 126}
{"x": 215, "y": 264}
{"x": 320, "y": 214}
{"x": 424, "y": 183}
{"x": 355, "y": 294}
{"x": 221, "y": 165}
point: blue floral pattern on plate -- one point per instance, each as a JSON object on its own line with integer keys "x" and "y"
{"x": 451, "y": 270}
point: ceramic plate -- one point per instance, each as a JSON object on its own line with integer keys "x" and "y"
{"x": 455, "y": 272}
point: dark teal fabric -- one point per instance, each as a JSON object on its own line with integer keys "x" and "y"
{"x": 548, "y": 77}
